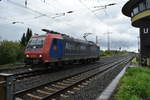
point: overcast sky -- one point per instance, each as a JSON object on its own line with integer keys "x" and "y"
{"x": 85, "y": 18}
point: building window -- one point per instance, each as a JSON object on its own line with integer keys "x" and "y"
{"x": 132, "y": 14}
{"x": 142, "y": 6}
{"x": 135, "y": 10}
{"x": 148, "y": 3}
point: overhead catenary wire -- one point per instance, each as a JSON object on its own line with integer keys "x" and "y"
{"x": 62, "y": 13}
{"x": 17, "y": 4}
{"x": 42, "y": 14}
{"x": 36, "y": 12}
{"x": 88, "y": 9}
{"x": 30, "y": 9}
{"x": 68, "y": 12}
{"x": 93, "y": 13}
{"x": 26, "y": 19}
{"x": 99, "y": 8}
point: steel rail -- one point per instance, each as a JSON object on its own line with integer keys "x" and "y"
{"x": 92, "y": 68}
{"x": 81, "y": 77}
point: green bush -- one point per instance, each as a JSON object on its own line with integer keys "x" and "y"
{"x": 135, "y": 85}
{"x": 10, "y": 52}
{"x": 113, "y": 53}
{"x": 136, "y": 61}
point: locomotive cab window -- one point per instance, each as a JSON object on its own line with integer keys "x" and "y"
{"x": 36, "y": 42}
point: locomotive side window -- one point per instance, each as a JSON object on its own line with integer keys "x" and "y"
{"x": 83, "y": 47}
{"x": 68, "y": 46}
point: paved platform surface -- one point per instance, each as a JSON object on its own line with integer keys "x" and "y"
{"x": 106, "y": 94}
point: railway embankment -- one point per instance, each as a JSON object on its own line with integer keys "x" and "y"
{"x": 134, "y": 85}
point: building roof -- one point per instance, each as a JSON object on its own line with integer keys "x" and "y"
{"x": 128, "y": 7}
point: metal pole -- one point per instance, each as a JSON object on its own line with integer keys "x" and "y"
{"x": 108, "y": 40}
{"x": 10, "y": 88}
{"x": 138, "y": 44}
{"x": 6, "y": 86}
{"x": 96, "y": 39}
{"x": 26, "y": 3}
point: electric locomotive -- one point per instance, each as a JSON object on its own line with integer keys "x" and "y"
{"x": 54, "y": 48}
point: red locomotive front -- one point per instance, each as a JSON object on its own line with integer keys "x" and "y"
{"x": 38, "y": 48}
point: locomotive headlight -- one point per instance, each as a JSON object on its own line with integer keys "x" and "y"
{"x": 27, "y": 56}
{"x": 40, "y": 56}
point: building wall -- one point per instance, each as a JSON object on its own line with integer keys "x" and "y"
{"x": 139, "y": 11}
{"x": 145, "y": 45}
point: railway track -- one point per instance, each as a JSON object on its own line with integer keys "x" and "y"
{"x": 25, "y": 69}
{"x": 67, "y": 85}
{"x": 37, "y": 70}
{"x": 29, "y": 71}
{"x": 35, "y": 85}
{"x": 33, "y": 80}
{"x": 22, "y": 69}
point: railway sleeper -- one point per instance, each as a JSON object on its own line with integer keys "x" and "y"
{"x": 71, "y": 92}
{"x": 64, "y": 96}
{"x": 18, "y": 98}
{"x": 63, "y": 87}
{"x": 58, "y": 86}
{"x": 76, "y": 88}
{"x": 52, "y": 89}
{"x": 32, "y": 96}
{"x": 71, "y": 80}
{"x": 85, "y": 84}
{"x": 44, "y": 92}
{"x": 61, "y": 83}
{"x": 68, "y": 82}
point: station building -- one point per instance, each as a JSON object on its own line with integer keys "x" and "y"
{"x": 139, "y": 11}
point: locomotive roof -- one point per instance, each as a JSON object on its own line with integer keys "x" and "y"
{"x": 67, "y": 37}
{"x": 77, "y": 40}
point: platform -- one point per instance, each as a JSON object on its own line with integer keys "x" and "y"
{"x": 107, "y": 93}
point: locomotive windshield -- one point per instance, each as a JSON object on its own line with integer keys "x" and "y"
{"x": 36, "y": 42}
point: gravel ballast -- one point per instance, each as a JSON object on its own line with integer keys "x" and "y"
{"x": 95, "y": 87}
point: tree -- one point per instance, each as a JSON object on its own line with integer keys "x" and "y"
{"x": 7, "y": 52}
{"x": 28, "y": 35}
{"x": 11, "y": 52}
{"x": 23, "y": 40}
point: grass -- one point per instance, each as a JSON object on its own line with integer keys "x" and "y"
{"x": 135, "y": 85}
{"x": 136, "y": 61}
